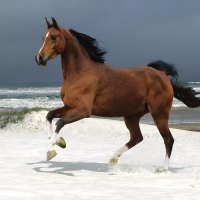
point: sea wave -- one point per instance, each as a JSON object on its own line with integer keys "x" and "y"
{"x": 30, "y": 120}
{"x": 46, "y": 96}
{"x": 43, "y": 102}
{"x": 50, "y": 90}
{"x": 194, "y": 82}
{"x": 178, "y": 104}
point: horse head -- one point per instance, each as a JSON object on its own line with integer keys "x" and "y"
{"x": 53, "y": 43}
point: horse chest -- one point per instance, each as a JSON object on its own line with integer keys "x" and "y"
{"x": 67, "y": 95}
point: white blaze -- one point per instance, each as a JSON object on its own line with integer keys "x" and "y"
{"x": 43, "y": 42}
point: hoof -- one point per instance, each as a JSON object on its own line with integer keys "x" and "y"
{"x": 160, "y": 170}
{"x": 51, "y": 154}
{"x": 113, "y": 162}
{"x": 61, "y": 142}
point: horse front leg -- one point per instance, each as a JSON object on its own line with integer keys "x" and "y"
{"x": 70, "y": 115}
{"x": 54, "y": 139}
{"x": 57, "y": 113}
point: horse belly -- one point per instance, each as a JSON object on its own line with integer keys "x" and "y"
{"x": 117, "y": 106}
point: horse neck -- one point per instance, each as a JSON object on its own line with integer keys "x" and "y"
{"x": 73, "y": 57}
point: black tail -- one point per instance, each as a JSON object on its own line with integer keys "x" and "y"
{"x": 182, "y": 92}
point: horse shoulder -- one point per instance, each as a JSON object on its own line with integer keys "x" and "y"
{"x": 79, "y": 93}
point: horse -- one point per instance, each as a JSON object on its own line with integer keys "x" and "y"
{"x": 91, "y": 87}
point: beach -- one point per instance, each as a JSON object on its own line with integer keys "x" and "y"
{"x": 81, "y": 171}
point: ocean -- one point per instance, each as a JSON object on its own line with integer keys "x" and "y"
{"x": 29, "y": 95}
{"x": 16, "y": 96}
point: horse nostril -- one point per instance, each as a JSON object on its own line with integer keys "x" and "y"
{"x": 40, "y": 58}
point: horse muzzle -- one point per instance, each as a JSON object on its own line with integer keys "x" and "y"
{"x": 41, "y": 59}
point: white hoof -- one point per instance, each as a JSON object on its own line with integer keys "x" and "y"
{"x": 113, "y": 162}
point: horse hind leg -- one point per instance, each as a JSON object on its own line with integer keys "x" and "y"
{"x": 162, "y": 125}
{"x": 132, "y": 124}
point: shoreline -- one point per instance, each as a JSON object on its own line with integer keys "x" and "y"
{"x": 183, "y": 118}
{"x": 188, "y": 127}
{"x": 180, "y": 118}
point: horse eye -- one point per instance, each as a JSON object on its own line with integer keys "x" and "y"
{"x": 53, "y": 37}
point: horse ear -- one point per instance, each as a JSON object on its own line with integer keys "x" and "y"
{"x": 54, "y": 23}
{"x": 48, "y": 24}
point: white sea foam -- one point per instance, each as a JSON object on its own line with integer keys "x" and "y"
{"x": 194, "y": 82}
{"x": 33, "y": 122}
{"x": 45, "y": 90}
{"x": 30, "y": 103}
{"x": 178, "y": 104}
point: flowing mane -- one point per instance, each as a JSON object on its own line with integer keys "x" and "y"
{"x": 91, "y": 45}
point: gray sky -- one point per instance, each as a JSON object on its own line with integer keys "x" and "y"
{"x": 134, "y": 32}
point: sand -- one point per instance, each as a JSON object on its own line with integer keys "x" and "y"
{"x": 81, "y": 172}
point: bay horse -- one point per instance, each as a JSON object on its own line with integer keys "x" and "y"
{"x": 91, "y": 87}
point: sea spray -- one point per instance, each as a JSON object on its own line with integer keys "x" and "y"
{"x": 33, "y": 122}
{"x": 16, "y": 116}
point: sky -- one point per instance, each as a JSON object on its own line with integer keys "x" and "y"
{"x": 134, "y": 32}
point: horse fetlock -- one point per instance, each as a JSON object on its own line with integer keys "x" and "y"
{"x": 49, "y": 129}
{"x": 49, "y": 134}
{"x": 53, "y": 139}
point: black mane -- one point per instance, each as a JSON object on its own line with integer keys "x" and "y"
{"x": 91, "y": 45}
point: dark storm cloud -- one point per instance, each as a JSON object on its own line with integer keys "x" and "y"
{"x": 133, "y": 32}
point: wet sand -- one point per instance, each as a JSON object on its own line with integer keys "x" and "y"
{"x": 188, "y": 127}
{"x": 181, "y": 118}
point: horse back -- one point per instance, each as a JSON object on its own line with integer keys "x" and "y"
{"x": 126, "y": 91}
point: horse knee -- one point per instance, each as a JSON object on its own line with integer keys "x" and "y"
{"x": 59, "y": 124}
{"x": 49, "y": 116}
